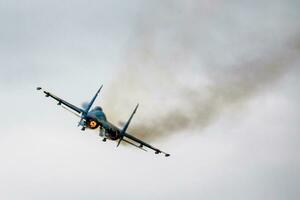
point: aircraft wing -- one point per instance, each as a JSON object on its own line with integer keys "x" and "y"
{"x": 142, "y": 144}
{"x": 63, "y": 102}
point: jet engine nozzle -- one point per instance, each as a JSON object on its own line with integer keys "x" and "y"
{"x": 92, "y": 123}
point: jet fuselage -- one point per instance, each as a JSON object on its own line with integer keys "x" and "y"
{"x": 97, "y": 118}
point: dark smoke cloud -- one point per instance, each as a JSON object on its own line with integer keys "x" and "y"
{"x": 175, "y": 69}
{"x": 196, "y": 110}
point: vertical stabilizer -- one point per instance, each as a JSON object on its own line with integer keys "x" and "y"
{"x": 83, "y": 115}
{"x": 93, "y": 100}
{"x": 126, "y": 125}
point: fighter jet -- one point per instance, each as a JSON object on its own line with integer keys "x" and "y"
{"x": 95, "y": 118}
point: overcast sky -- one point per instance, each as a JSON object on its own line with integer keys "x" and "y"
{"x": 218, "y": 87}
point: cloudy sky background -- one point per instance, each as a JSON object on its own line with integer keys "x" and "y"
{"x": 218, "y": 87}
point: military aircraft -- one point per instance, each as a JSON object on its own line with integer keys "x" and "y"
{"x": 96, "y": 119}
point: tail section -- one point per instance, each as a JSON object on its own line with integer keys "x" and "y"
{"x": 88, "y": 109}
{"x": 93, "y": 100}
{"x": 126, "y": 125}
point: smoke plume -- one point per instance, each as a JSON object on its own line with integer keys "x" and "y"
{"x": 186, "y": 67}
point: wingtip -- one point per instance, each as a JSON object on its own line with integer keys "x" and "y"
{"x": 100, "y": 89}
{"x": 38, "y": 88}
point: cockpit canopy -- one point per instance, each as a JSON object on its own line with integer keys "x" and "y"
{"x": 98, "y": 113}
{"x": 98, "y": 108}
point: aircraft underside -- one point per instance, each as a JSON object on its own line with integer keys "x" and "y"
{"x": 108, "y": 133}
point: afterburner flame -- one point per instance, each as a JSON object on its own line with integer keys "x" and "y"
{"x": 93, "y": 124}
